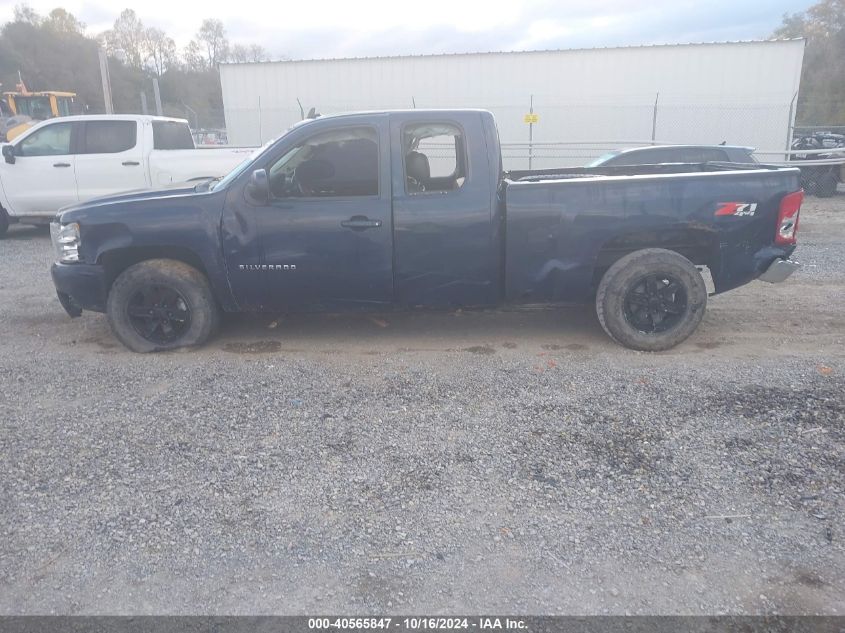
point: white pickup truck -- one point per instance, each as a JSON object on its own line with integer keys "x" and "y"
{"x": 73, "y": 159}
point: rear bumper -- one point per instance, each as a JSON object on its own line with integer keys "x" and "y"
{"x": 779, "y": 270}
{"x": 80, "y": 287}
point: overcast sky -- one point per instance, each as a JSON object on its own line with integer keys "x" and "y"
{"x": 343, "y": 28}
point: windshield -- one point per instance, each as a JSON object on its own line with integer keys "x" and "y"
{"x": 602, "y": 159}
{"x": 241, "y": 167}
{"x": 36, "y": 107}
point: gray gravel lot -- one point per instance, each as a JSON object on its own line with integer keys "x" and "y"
{"x": 470, "y": 462}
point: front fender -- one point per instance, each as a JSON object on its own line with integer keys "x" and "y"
{"x": 173, "y": 225}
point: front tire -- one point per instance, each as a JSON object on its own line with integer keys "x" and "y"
{"x": 651, "y": 300}
{"x": 162, "y": 304}
{"x": 4, "y": 222}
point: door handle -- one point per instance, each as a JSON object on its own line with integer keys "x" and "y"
{"x": 61, "y": 164}
{"x": 360, "y": 223}
{"x": 130, "y": 163}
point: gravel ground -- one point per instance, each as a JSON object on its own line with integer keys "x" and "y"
{"x": 471, "y": 462}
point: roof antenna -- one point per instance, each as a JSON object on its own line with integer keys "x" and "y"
{"x": 301, "y": 111}
{"x": 312, "y": 114}
{"x": 414, "y": 103}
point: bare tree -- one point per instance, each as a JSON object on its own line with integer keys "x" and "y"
{"x": 239, "y": 54}
{"x": 193, "y": 57}
{"x": 212, "y": 38}
{"x": 159, "y": 50}
{"x": 258, "y": 53}
{"x": 25, "y": 13}
{"x": 63, "y": 22}
{"x": 126, "y": 38}
{"x": 252, "y": 53}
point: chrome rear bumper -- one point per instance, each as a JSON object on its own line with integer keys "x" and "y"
{"x": 779, "y": 270}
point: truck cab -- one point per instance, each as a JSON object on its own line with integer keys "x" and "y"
{"x": 365, "y": 210}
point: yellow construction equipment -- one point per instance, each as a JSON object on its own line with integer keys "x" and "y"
{"x": 28, "y": 108}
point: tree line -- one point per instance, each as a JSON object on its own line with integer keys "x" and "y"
{"x": 821, "y": 100}
{"x": 53, "y": 52}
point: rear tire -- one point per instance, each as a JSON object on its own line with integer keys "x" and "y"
{"x": 826, "y": 185}
{"x": 651, "y": 300}
{"x": 810, "y": 180}
{"x": 162, "y": 304}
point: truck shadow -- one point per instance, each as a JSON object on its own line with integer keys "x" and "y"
{"x": 23, "y": 232}
{"x": 478, "y": 332}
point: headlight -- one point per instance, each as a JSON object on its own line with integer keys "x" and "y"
{"x": 65, "y": 241}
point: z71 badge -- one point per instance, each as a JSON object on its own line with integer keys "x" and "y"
{"x": 736, "y": 208}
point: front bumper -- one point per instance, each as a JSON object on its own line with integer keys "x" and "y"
{"x": 80, "y": 287}
{"x": 779, "y": 270}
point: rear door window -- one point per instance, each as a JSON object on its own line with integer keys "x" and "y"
{"x": 109, "y": 137}
{"x": 172, "y": 135}
{"x": 435, "y": 157}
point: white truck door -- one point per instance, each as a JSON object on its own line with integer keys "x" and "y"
{"x": 110, "y": 159}
{"x": 42, "y": 178}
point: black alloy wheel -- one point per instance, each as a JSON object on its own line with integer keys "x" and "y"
{"x": 159, "y": 314}
{"x": 655, "y": 303}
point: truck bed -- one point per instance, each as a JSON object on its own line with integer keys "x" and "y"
{"x": 564, "y": 227}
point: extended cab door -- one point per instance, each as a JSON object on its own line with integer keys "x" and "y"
{"x": 110, "y": 158}
{"x": 42, "y": 178}
{"x": 447, "y": 222}
{"x": 325, "y": 235}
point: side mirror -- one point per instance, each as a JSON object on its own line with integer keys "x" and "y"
{"x": 9, "y": 154}
{"x": 258, "y": 188}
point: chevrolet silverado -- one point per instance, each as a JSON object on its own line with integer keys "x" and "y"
{"x": 412, "y": 209}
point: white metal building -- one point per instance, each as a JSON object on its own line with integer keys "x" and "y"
{"x": 739, "y": 92}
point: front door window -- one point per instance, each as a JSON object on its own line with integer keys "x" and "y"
{"x": 53, "y": 140}
{"x": 338, "y": 163}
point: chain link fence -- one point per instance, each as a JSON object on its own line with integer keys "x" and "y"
{"x": 576, "y": 133}
{"x": 571, "y": 133}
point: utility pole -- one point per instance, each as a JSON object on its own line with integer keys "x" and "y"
{"x": 654, "y": 119}
{"x": 260, "y": 134}
{"x": 144, "y": 109}
{"x": 531, "y": 135}
{"x": 104, "y": 73}
{"x": 157, "y": 93}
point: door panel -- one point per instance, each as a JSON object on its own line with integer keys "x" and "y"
{"x": 446, "y": 227}
{"x": 327, "y": 254}
{"x": 110, "y": 159}
{"x": 43, "y": 177}
{"x": 325, "y": 236}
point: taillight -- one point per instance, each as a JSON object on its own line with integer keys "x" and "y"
{"x": 787, "y": 225}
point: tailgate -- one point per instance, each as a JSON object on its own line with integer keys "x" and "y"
{"x": 756, "y": 219}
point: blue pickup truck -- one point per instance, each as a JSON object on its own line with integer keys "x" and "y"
{"x": 397, "y": 210}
